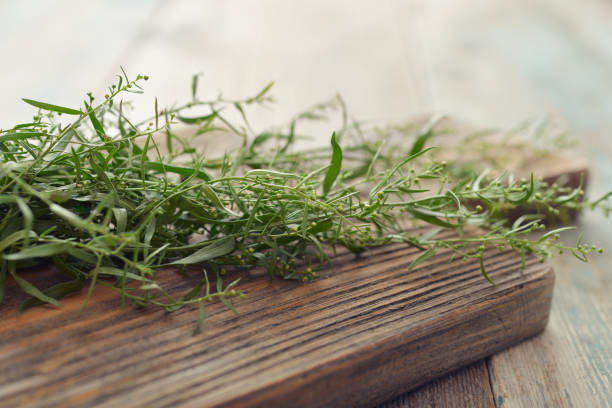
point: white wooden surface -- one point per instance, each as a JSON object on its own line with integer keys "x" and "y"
{"x": 492, "y": 63}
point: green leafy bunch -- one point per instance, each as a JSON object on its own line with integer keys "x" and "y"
{"x": 110, "y": 200}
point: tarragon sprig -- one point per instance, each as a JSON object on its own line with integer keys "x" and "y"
{"x": 112, "y": 200}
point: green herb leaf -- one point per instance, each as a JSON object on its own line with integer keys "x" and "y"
{"x": 430, "y": 217}
{"x": 484, "y": 272}
{"x": 197, "y": 119}
{"x": 95, "y": 122}
{"x": 15, "y": 136}
{"x": 201, "y": 317}
{"x": 194, "y": 86}
{"x": 58, "y": 291}
{"x": 261, "y": 94}
{"x": 183, "y": 171}
{"x": 121, "y": 216}
{"x": 120, "y": 273}
{"x": 228, "y": 303}
{"x": 429, "y": 253}
{"x": 218, "y": 248}
{"x": 14, "y": 238}
{"x": 39, "y": 251}
{"x": 74, "y": 219}
{"x": 419, "y": 143}
{"x": 334, "y": 168}
{"x": 219, "y": 283}
{"x": 52, "y": 108}
{"x": 34, "y": 291}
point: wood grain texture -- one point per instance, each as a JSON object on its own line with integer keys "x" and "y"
{"x": 468, "y": 387}
{"x": 521, "y": 381}
{"x": 569, "y": 364}
{"x": 365, "y": 332}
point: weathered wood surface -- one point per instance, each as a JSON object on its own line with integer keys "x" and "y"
{"x": 577, "y": 341}
{"x": 367, "y": 331}
{"x": 468, "y": 387}
{"x": 493, "y": 63}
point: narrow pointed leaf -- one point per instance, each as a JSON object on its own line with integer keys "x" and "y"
{"x": 39, "y": 251}
{"x": 57, "y": 292}
{"x": 484, "y": 272}
{"x": 228, "y": 303}
{"x": 197, "y": 119}
{"x": 95, "y": 122}
{"x": 201, "y": 317}
{"x": 423, "y": 257}
{"x": 218, "y": 248}
{"x": 33, "y": 291}
{"x": 334, "y": 168}
{"x": 53, "y": 108}
{"x": 120, "y": 218}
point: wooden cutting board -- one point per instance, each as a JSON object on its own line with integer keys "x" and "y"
{"x": 368, "y": 330}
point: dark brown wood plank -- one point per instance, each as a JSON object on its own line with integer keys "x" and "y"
{"x": 364, "y": 333}
{"x": 468, "y": 387}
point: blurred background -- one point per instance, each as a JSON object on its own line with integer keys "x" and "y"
{"x": 491, "y": 63}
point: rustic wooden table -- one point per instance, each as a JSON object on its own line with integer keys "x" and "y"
{"x": 488, "y": 62}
